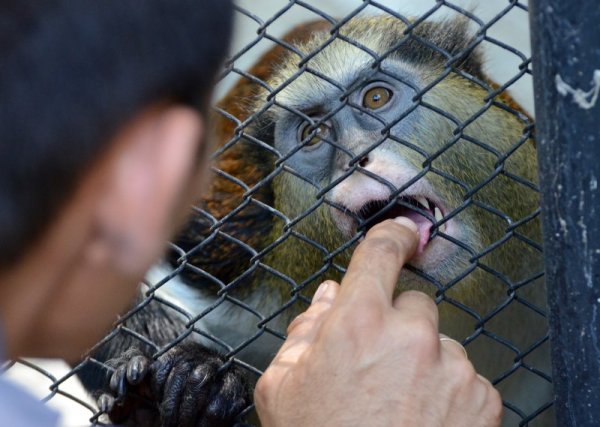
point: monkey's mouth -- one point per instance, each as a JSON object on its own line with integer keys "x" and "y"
{"x": 421, "y": 210}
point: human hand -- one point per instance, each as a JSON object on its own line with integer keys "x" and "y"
{"x": 358, "y": 357}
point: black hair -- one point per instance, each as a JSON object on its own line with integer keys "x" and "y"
{"x": 72, "y": 72}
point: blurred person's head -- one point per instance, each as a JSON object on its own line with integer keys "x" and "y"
{"x": 102, "y": 108}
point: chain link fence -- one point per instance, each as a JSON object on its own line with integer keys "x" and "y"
{"x": 347, "y": 120}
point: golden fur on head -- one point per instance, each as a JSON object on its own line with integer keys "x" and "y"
{"x": 365, "y": 41}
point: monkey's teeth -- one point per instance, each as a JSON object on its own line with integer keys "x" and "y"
{"x": 438, "y": 217}
{"x": 423, "y": 202}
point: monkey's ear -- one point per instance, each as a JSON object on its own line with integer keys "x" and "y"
{"x": 453, "y": 36}
{"x": 459, "y": 40}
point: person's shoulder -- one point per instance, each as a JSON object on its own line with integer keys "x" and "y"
{"x": 19, "y": 408}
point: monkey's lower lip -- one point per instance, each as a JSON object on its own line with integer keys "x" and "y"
{"x": 420, "y": 210}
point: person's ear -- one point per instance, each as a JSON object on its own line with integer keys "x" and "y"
{"x": 146, "y": 176}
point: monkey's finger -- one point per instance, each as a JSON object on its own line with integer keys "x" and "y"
{"x": 304, "y": 328}
{"x": 117, "y": 381}
{"x": 137, "y": 369}
{"x": 374, "y": 268}
{"x": 106, "y": 403}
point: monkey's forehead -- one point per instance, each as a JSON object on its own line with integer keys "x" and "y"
{"x": 359, "y": 44}
{"x": 333, "y": 63}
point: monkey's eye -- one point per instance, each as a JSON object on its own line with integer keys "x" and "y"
{"x": 318, "y": 134}
{"x": 376, "y": 97}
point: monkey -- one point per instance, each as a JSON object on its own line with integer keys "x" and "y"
{"x": 340, "y": 128}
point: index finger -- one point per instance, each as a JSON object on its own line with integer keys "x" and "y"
{"x": 378, "y": 259}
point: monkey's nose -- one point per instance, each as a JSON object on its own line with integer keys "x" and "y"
{"x": 364, "y": 161}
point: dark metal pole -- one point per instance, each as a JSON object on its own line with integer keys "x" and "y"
{"x": 566, "y": 61}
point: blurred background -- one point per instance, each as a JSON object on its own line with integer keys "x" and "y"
{"x": 506, "y": 46}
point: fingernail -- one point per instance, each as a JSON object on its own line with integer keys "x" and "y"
{"x": 404, "y": 221}
{"x": 320, "y": 291}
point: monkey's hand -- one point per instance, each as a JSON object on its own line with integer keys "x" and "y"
{"x": 186, "y": 386}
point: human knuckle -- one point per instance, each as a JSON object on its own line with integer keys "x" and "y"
{"x": 421, "y": 298}
{"x": 295, "y": 324}
{"x": 422, "y": 335}
{"x": 422, "y": 306}
{"x": 463, "y": 373}
{"x": 494, "y": 404}
{"x": 263, "y": 387}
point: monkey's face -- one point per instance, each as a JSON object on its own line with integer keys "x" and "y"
{"x": 364, "y": 154}
{"x": 360, "y": 144}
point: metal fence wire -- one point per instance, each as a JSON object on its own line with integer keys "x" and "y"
{"x": 345, "y": 122}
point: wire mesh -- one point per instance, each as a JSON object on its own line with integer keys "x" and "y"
{"x": 303, "y": 166}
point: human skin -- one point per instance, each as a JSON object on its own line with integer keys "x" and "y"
{"x": 357, "y": 356}
{"x": 68, "y": 289}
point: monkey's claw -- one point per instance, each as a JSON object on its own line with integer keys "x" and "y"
{"x": 105, "y": 403}
{"x": 187, "y": 386}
